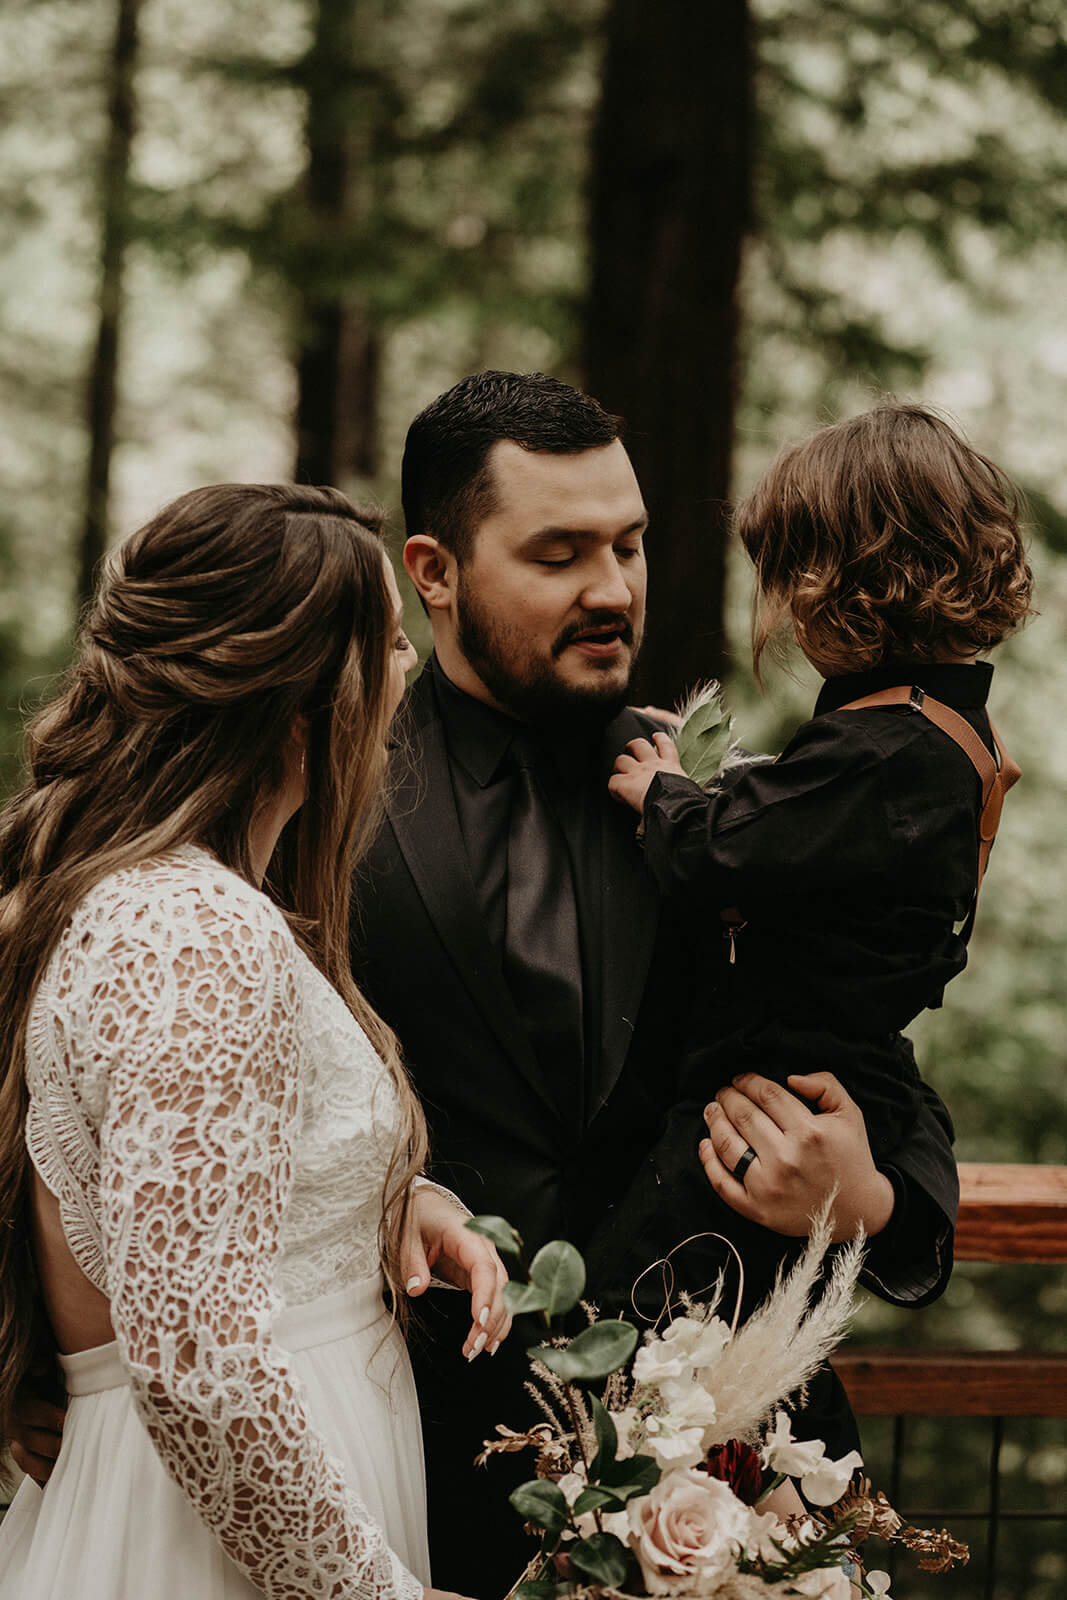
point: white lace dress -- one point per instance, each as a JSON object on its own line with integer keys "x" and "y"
{"x": 216, "y": 1129}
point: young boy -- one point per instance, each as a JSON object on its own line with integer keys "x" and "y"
{"x": 845, "y": 873}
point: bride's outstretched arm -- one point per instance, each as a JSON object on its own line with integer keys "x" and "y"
{"x": 195, "y": 1011}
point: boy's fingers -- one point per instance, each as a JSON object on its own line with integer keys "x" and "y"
{"x": 39, "y": 1468}
{"x": 641, "y": 750}
{"x": 30, "y": 1412}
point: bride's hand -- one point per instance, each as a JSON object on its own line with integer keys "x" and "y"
{"x": 798, "y": 1156}
{"x": 438, "y": 1241}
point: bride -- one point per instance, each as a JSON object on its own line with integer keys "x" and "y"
{"x": 210, "y": 1152}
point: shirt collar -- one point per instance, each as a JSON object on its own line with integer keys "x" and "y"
{"x": 477, "y": 735}
{"x": 963, "y": 686}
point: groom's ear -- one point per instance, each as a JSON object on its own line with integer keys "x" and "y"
{"x": 431, "y": 566}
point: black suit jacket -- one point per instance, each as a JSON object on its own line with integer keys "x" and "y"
{"x": 625, "y": 1187}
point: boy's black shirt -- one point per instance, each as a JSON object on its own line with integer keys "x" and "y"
{"x": 851, "y": 859}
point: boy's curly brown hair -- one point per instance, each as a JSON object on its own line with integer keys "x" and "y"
{"x": 885, "y": 536}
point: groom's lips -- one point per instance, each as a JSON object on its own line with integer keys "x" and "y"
{"x": 601, "y": 643}
{"x": 599, "y": 647}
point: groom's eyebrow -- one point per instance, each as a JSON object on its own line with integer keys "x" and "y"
{"x": 551, "y": 534}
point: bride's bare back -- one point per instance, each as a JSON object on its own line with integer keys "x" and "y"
{"x": 79, "y": 1313}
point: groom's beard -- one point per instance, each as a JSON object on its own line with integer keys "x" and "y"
{"x": 528, "y": 683}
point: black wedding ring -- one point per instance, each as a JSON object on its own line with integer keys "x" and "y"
{"x": 744, "y": 1163}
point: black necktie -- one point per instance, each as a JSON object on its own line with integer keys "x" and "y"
{"x": 542, "y": 955}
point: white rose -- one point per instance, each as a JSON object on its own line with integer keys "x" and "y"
{"x": 656, "y": 1361}
{"x": 782, "y": 1453}
{"x": 828, "y": 1583}
{"x": 685, "y": 1533}
{"x": 829, "y": 1480}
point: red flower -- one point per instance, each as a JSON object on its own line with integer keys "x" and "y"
{"x": 737, "y": 1465}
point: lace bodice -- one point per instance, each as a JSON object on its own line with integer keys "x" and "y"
{"x": 216, "y": 1128}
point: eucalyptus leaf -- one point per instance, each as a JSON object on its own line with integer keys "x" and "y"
{"x": 601, "y": 1557}
{"x": 634, "y": 1475}
{"x": 595, "y": 1353}
{"x": 595, "y": 1498}
{"x": 559, "y": 1272}
{"x": 607, "y": 1438}
{"x": 541, "y": 1503}
{"x": 541, "y": 1589}
{"x": 503, "y": 1235}
{"x": 519, "y": 1297}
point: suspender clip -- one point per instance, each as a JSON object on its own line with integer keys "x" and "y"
{"x": 916, "y": 698}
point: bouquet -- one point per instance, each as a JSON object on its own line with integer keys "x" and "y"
{"x": 662, "y": 1464}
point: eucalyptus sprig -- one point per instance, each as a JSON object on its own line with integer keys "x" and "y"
{"x": 552, "y": 1288}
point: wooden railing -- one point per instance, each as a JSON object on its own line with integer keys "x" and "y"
{"x": 1007, "y": 1214}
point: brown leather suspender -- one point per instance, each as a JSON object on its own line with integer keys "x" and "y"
{"x": 996, "y": 775}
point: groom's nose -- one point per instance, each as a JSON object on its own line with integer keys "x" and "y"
{"x": 605, "y": 587}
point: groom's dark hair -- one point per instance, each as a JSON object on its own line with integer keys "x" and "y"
{"x": 446, "y": 484}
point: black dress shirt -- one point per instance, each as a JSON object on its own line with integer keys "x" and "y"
{"x": 478, "y": 739}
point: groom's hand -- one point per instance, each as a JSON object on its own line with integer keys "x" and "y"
{"x": 799, "y": 1156}
{"x": 438, "y": 1242}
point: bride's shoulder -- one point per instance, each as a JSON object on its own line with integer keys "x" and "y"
{"x": 183, "y": 900}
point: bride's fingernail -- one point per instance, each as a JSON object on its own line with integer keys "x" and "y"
{"x": 494, "y": 1347}
{"x": 483, "y": 1316}
{"x": 480, "y": 1342}
{"x": 413, "y": 1283}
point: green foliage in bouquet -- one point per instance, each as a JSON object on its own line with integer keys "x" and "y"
{"x": 653, "y": 1486}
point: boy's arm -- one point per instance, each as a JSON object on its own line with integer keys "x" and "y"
{"x": 816, "y": 814}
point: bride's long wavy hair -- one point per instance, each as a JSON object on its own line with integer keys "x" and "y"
{"x": 236, "y": 610}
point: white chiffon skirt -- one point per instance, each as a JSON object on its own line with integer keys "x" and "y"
{"x": 111, "y": 1524}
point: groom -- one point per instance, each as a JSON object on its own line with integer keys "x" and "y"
{"x": 509, "y": 931}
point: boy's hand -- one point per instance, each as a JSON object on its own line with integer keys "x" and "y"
{"x": 36, "y": 1429}
{"x": 638, "y": 765}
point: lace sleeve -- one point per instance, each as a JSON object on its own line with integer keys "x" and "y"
{"x": 197, "y": 1016}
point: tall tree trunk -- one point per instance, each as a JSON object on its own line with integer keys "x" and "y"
{"x": 669, "y": 207}
{"x": 339, "y": 357}
{"x": 103, "y": 371}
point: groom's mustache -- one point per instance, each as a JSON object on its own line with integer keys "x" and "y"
{"x": 597, "y": 625}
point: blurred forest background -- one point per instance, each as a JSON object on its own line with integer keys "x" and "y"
{"x": 251, "y": 238}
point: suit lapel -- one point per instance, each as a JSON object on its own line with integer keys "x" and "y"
{"x": 422, "y": 813}
{"x": 629, "y": 918}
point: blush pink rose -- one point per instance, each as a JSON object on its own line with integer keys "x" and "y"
{"x": 686, "y": 1531}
